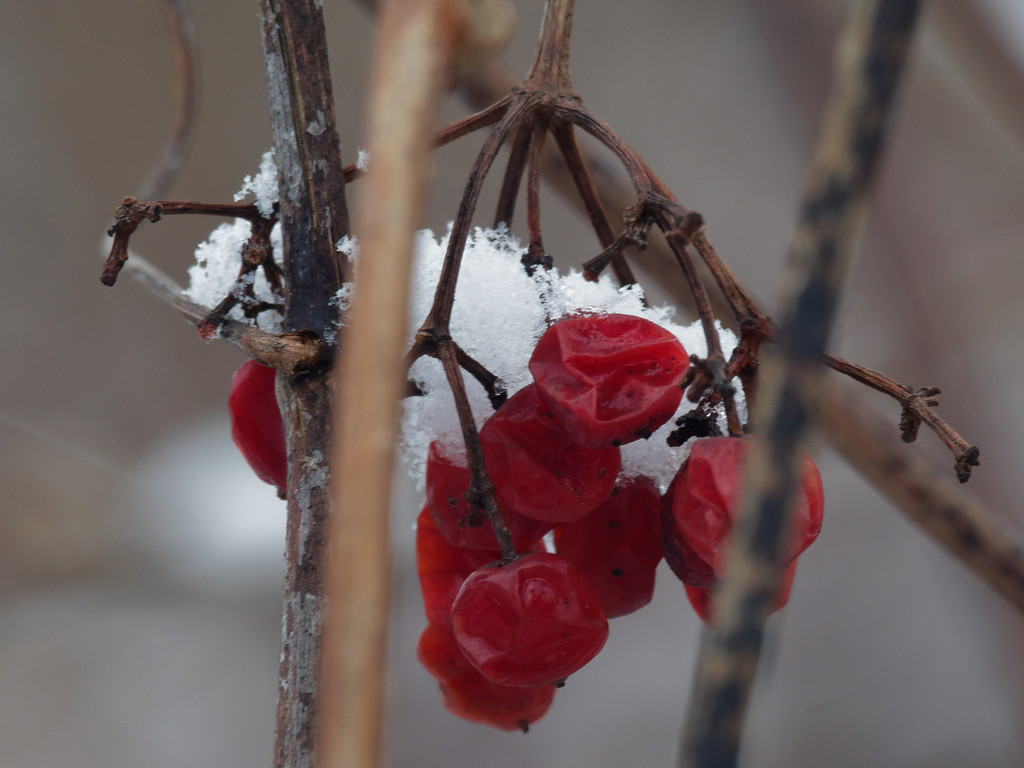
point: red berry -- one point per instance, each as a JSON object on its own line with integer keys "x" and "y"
{"x": 256, "y": 424}
{"x": 448, "y": 480}
{"x": 609, "y": 378}
{"x": 442, "y": 567}
{"x": 529, "y": 622}
{"x": 617, "y": 547}
{"x": 700, "y": 507}
{"x": 472, "y": 696}
{"x": 536, "y": 470}
{"x": 700, "y": 597}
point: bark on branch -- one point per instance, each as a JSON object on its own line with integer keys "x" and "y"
{"x": 313, "y": 218}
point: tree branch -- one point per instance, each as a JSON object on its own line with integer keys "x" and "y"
{"x": 313, "y": 218}
{"x": 873, "y": 52}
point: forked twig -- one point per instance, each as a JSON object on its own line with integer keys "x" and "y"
{"x": 290, "y": 352}
{"x": 918, "y": 406}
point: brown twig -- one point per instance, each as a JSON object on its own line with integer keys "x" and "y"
{"x": 506, "y": 206}
{"x": 535, "y": 256}
{"x": 918, "y": 406}
{"x": 492, "y": 82}
{"x": 874, "y": 51}
{"x": 451, "y": 133}
{"x": 550, "y": 71}
{"x": 481, "y": 489}
{"x": 130, "y": 213}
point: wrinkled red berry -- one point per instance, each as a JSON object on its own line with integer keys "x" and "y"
{"x": 256, "y": 424}
{"x": 442, "y": 567}
{"x": 529, "y": 622}
{"x": 699, "y": 509}
{"x": 448, "y": 480}
{"x": 472, "y": 696}
{"x": 617, "y": 547}
{"x": 536, "y": 470}
{"x": 609, "y": 378}
{"x": 700, "y": 597}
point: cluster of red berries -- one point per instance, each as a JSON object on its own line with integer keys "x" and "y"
{"x": 502, "y": 632}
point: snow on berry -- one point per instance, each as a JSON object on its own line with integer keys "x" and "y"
{"x": 499, "y": 315}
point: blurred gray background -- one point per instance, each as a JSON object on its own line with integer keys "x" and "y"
{"x": 140, "y": 563}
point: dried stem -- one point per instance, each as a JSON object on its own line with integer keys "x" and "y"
{"x": 874, "y": 49}
{"x": 130, "y": 213}
{"x": 565, "y": 136}
{"x": 492, "y": 81}
{"x": 918, "y": 405}
{"x": 481, "y": 489}
{"x": 717, "y": 380}
{"x": 417, "y": 42}
{"x": 437, "y": 321}
{"x": 496, "y": 393}
{"x": 536, "y": 255}
{"x": 289, "y": 352}
{"x": 513, "y": 176}
{"x": 183, "y": 43}
{"x": 551, "y": 64}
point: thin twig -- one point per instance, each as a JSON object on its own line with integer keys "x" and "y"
{"x": 168, "y": 162}
{"x": 565, "y": 136}
{"x": 437, "y": 322}
{"x": 874, "y": 50}
{"x": 481, "y": 489}
{"x": 131, "y": 213}
{"x": 506, "y": 206}
{"x": 715, "y": 360}
{"x": 535, "y": 256}
{"x": 918, "y": 406}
